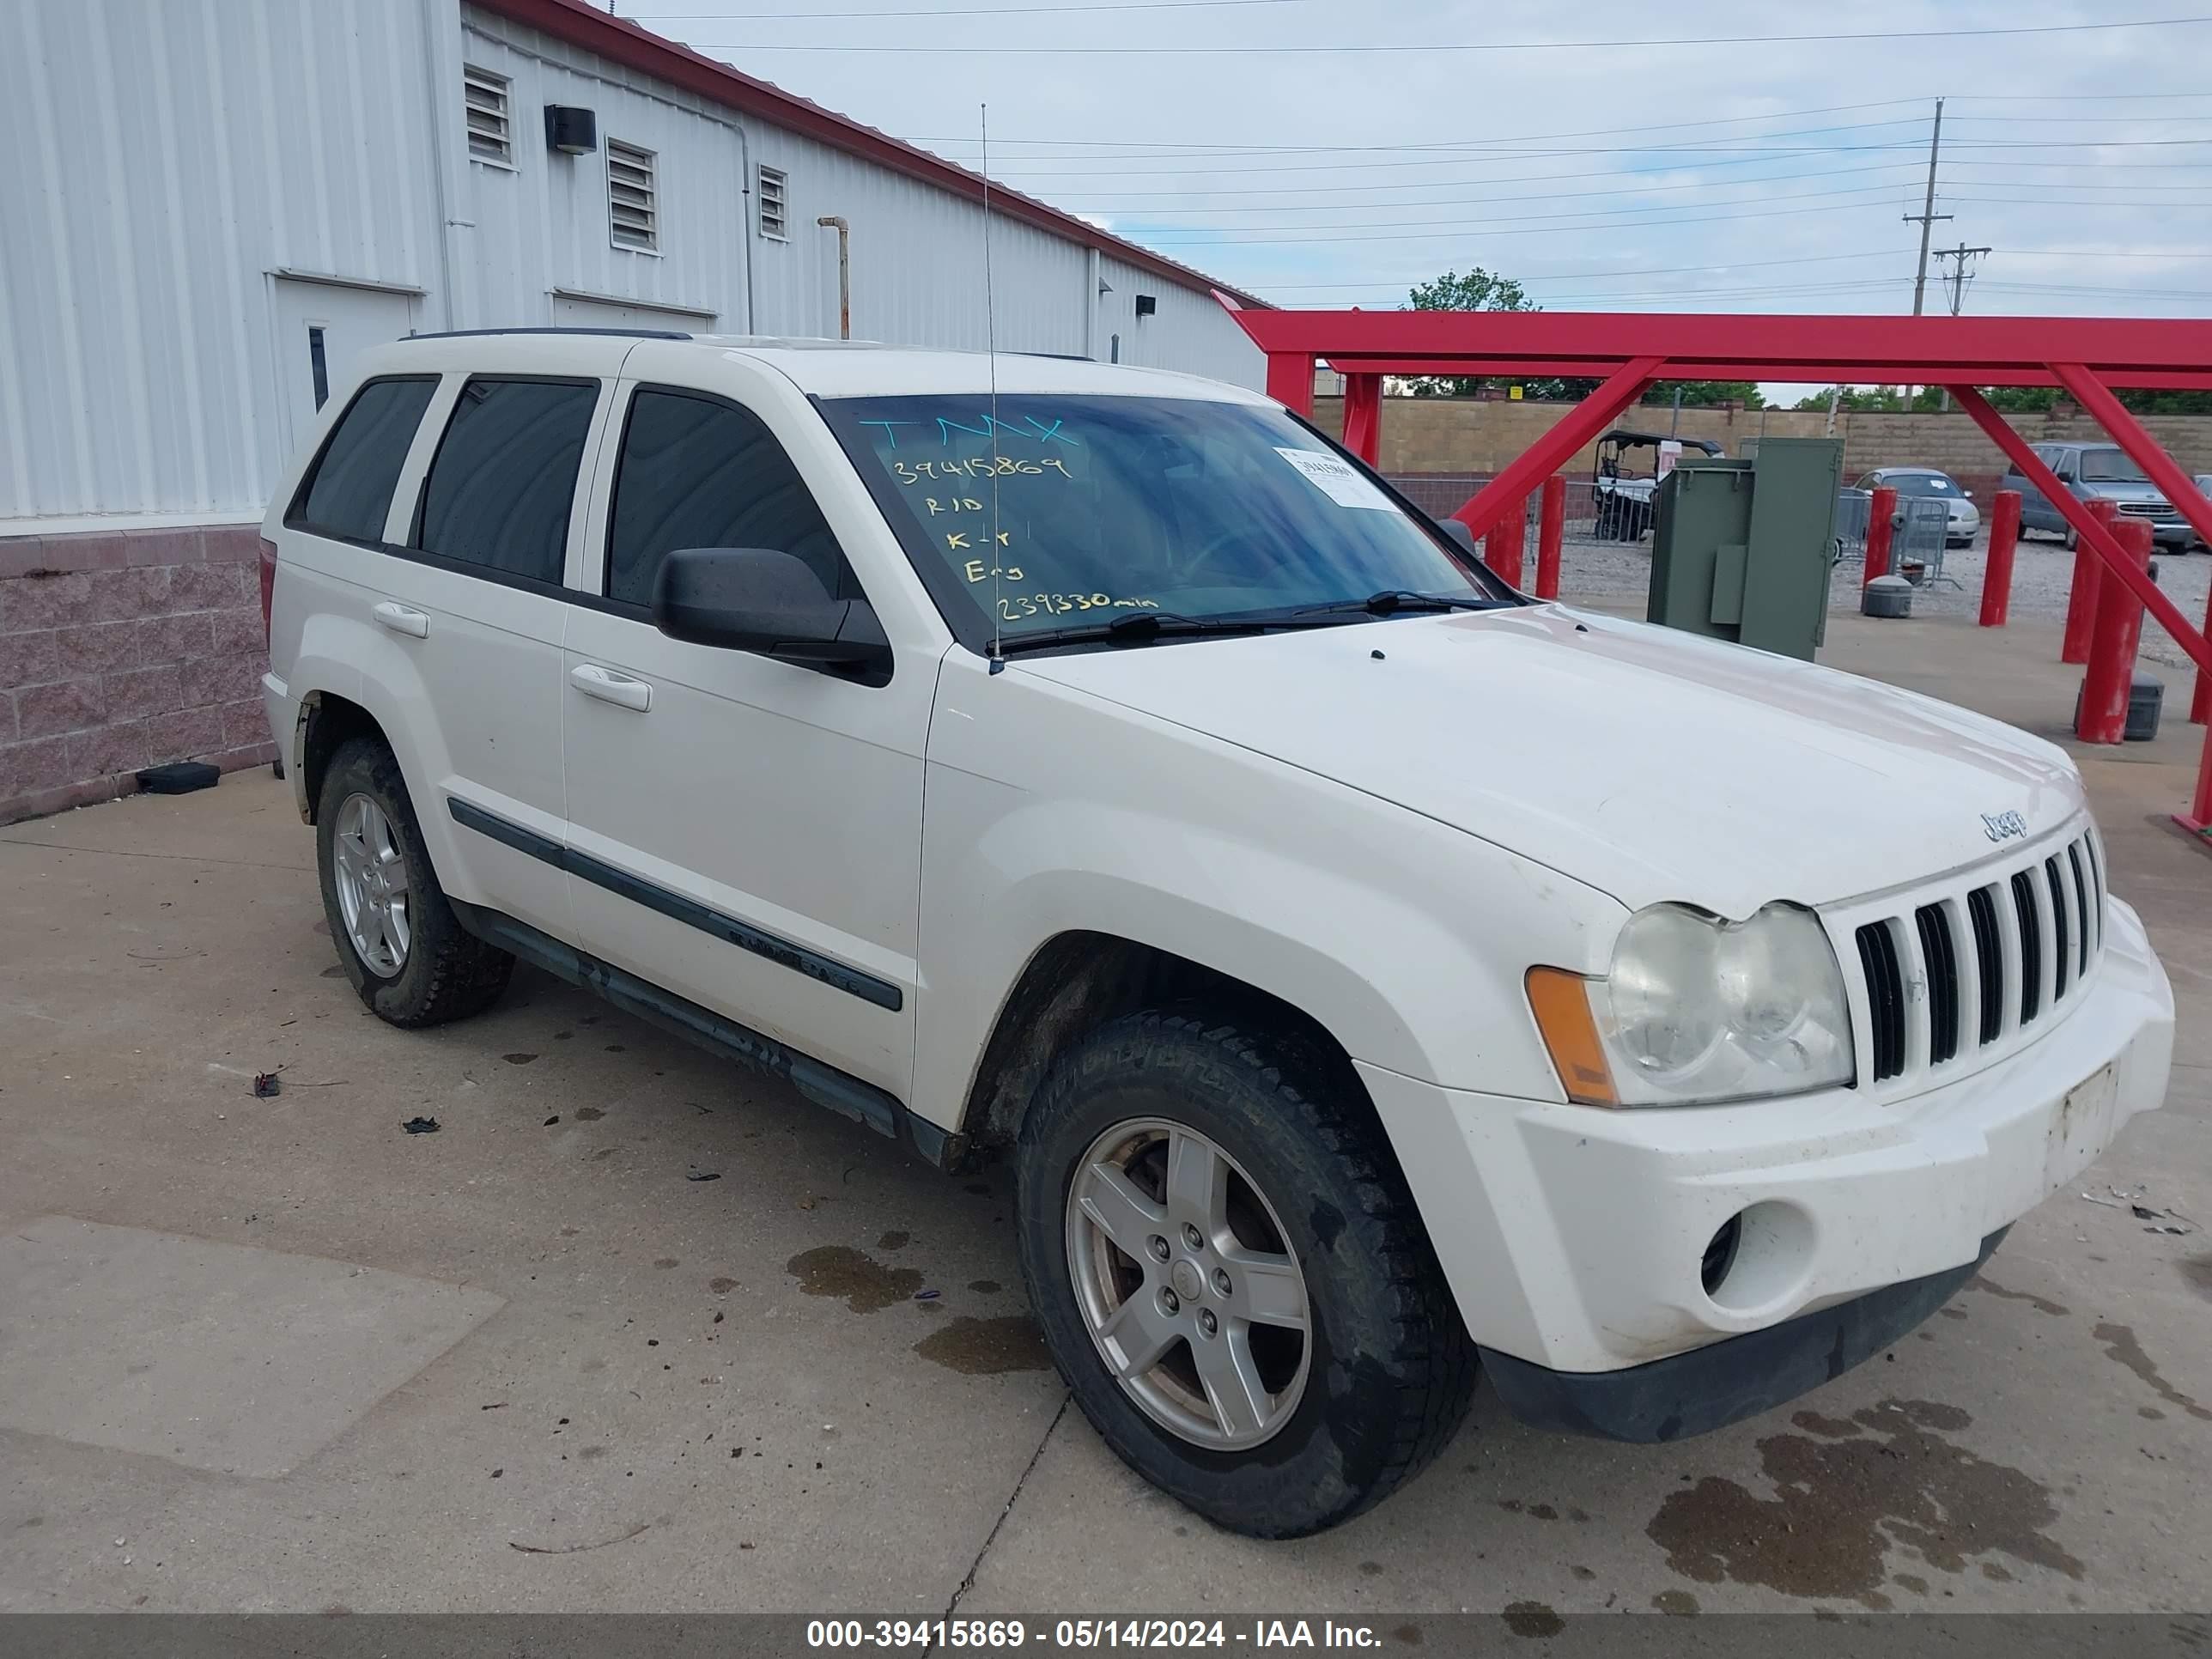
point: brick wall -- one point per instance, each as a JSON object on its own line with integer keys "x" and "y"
{"x": 124, "y": 650}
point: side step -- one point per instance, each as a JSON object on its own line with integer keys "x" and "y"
{"x": 825, "y": 1086}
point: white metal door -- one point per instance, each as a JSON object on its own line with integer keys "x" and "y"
{"x": 320, "y": 326}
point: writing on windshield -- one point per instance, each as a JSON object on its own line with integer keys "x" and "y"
{"x": 1056, "y": 509}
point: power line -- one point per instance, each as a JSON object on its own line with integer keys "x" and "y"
{"x": 1487, "y": 229}
{"x": 1343, "y": 48}
{"x": 1584, "y": 213}
{"x": 955, "y": 11}
{"x": 1142, "y": 211}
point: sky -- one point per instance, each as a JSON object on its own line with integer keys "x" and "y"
{"x": 1641, "y": 157}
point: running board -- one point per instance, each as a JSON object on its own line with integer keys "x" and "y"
{"x": 825, "y": 1086}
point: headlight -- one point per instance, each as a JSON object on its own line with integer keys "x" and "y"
{"x": 1695, "y": 1010}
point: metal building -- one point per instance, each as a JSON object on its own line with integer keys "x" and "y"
{"x": 212, "y": 204}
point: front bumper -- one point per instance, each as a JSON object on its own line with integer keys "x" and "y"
{"x": 1574, "y": 1238}
{"x": 1724, "y": 1382}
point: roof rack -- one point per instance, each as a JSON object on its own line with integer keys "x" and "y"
{"x": 625, "y": 333}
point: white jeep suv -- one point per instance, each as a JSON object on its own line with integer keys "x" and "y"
{"x": 1373, "y": 975}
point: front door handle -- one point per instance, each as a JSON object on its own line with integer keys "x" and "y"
{"x": 608, "y": 686}
{"x": 401, "y": 620}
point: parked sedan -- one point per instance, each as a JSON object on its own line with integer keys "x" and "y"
{"x": 1965, "y": 519}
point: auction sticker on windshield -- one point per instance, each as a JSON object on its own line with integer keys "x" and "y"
{"x": 1336, "y": 479}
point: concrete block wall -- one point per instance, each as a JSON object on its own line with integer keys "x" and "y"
{"x": 123, "y": 650}
{"x": 1452, "y": 438}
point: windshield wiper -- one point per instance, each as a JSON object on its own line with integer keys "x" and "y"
{"x": 1143, "y": 627}
{"x": 1392, "y": 600}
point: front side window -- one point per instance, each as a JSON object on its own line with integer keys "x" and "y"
{"x": 1080, "y": 509}
{"x": 505, "y": 476}
{"x": 350, "y": 490}
{"x": 695, "y": 471}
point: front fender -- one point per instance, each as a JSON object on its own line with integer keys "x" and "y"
{"x": 1048, "y": 811}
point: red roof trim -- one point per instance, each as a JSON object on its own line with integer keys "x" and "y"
{"x": 623, "y": 42}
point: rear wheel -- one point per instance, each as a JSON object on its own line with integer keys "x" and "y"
{"x": 1232, "y": 1277}
{"x": 397, "y": 938}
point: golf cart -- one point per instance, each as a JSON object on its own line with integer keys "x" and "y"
{"x": 1620, "y": 495}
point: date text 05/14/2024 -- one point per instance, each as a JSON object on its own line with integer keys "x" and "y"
{"x": 1087, "y": 1633}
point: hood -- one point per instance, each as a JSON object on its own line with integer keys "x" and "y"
{"x": 2123, "y": 490}
{"x": 1960, "y": 509}
{"x": 1648, "y": 763}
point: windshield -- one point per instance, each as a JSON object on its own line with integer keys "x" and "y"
{"x": 2109, "y": 466}
{"x": 1920, "y": 483}
{"x": 1093, "y": 509}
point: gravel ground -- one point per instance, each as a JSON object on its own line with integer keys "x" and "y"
{"x": 2042, "y": 572}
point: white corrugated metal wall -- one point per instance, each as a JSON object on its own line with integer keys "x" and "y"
{"x": 170, "y": 158}
{"x": 164, "y": 157}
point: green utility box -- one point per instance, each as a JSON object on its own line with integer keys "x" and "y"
{"x": 1742, "y": 550}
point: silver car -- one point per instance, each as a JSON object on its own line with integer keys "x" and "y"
{"x": 2094, "y": 471}
{"x": 1963, "y": 521}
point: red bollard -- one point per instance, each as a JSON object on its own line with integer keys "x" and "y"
{"x": 1880, "y": 513}
{"x": 1997, "y": 578}
{"x": 2111, "y": 678}
{"x": 1501, "y": 548}
{"x": 2082, "y": 597}
{"x": 1550, "y": 531}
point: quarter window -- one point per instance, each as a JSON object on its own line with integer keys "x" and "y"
{"x": 695, "y": 471}
{"x": 499, "y": 490}
{"x": 350, "y": 490}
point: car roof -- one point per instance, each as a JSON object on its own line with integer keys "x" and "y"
{"x": 1918, "y": 471}
{"x": 827, "y": 368}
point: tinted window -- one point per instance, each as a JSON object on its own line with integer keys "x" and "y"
{"x": 350, "y": 490}
{"x": 499, "y": 493}
{"x": 696, "y": 473}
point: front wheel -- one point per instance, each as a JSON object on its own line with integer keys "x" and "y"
{"x": 1232, "y": 1276}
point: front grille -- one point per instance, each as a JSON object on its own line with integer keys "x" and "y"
{"x": 1963, "y": 970}
{"x": 2148, "y": 510}
{"x": 1935, "y": 925}
{"x": 1885, "y": 983}
{"x": 2031, "y": 945}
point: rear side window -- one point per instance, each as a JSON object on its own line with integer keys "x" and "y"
{"x": 349, "y": 491}
{"x": 499, "y": 490}
{"x": 695, "y": 471}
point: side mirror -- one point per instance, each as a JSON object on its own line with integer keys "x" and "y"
{"x": 1460, "y": 536}
{"x": 1968, "y": 494}
{"x": 752, "y": 598}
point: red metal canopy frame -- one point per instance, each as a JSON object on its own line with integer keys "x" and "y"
{"x": 2087, "y": 356}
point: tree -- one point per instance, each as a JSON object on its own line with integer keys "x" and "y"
{"x": 1707, "y": 394}
{"x": 1477, "y": 290}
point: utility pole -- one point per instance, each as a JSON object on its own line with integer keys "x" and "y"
{"x": 1959, "y": 275}
{"x": 1959, "y": 257}
{"x": 1927, "y": 217}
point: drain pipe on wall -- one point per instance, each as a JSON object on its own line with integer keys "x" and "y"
{"x": 833, "y": 222}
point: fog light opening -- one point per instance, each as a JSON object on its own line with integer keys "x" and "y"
{"x": 1720, "y": 1254}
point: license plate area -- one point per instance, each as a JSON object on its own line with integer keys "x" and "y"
{"x": 2082, "y": 1126}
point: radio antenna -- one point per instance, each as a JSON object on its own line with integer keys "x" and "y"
{"x": 991, "y": 359}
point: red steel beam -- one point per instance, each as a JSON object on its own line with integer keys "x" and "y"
{"x": 1548, "y": 453}
{"x": 2126, "y": 431}
{"x": 1290, "y": 380}
{"x": 2086, "y": 527}
{"x": 1913, "y": 374}
{"x": 1936, "y": 351}
{"x": 1362, "y": 417}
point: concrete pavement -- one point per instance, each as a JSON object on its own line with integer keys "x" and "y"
{"x": 525, "y": 1362}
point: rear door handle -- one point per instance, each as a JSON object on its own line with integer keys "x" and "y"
{"x": 608, "y": 686}
{"x": 401, "y": 620}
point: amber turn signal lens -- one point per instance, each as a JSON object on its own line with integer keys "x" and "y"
{"x": 1560, "y": 1001}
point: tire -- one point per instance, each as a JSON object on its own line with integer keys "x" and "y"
{"x": 1378, "y": 1380}
{"x": 443, "y": 972}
